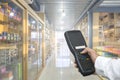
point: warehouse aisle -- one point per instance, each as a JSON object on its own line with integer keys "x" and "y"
{"x": 61, "y": 65}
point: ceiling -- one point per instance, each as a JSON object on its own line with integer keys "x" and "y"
{"x": 110, "y": 3}
{"x": 63, "y": 14}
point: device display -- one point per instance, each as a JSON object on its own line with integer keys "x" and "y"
{"x": 76, "y": 44}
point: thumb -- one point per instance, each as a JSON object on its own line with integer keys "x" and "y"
{"x": 84, "y": 51}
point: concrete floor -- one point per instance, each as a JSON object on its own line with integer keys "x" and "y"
{"x": 61, "y": 65}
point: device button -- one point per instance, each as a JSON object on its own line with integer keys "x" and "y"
{"x": 87, "y": 58}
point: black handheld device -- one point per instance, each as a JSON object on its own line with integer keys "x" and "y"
{"x": 76, "y": 44}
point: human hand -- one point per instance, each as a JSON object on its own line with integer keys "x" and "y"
{"x": 92, "y": 53}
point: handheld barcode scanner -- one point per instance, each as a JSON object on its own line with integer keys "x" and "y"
{"x": 76, "y": 44}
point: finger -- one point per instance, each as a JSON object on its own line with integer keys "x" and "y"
{"x": 75, "y": 64}
{"x": 84, "y": 51}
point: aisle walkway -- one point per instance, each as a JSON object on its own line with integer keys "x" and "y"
{"x": 61, "y": 67}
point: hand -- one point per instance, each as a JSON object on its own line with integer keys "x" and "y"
{"x": 92, "y": 53}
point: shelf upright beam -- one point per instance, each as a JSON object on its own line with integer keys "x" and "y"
{"x": 90, "y": 29}
{"x": 43, "y": 46}
{"x": 25, "y": 46}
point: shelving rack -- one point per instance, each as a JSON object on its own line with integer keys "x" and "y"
{"x": 14, "y": 41}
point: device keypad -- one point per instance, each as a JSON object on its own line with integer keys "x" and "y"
{"x": 85, "y": 61}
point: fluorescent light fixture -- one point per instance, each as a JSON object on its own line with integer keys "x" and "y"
{"x": 63, "y": 14}
{"x": 33, "y": 22}
{"x": 11, "y": 14}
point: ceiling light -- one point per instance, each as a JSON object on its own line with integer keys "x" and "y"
{"x": 33, "y": 22}
{"x": 11, "y": 14}
{"x": 63, "y": 13}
